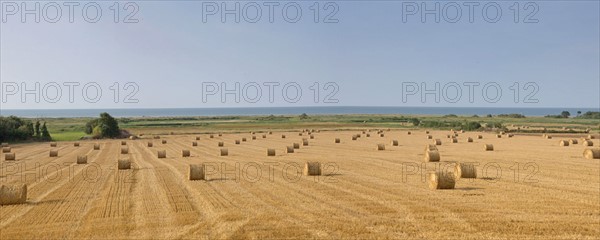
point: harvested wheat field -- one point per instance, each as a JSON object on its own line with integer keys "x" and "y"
{"x": 528, "y": 187}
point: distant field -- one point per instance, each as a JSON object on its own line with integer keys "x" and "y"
{"x": 63, "y": 129}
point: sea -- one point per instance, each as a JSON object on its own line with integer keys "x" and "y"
{"x": 256, "y": 111}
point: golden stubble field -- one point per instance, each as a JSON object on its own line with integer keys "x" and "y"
{"x": 528, "y": 187}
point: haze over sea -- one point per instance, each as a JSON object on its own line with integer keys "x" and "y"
{"x": 187, "y": 112}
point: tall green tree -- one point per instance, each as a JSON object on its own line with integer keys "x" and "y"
{"x": 38, "y": 134}
{"x": 565, "y": 114}
{"x": 45, "y": 134}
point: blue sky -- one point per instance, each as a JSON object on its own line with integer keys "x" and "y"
{"x": 370, "y": 54}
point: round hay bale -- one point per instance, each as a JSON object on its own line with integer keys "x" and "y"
{"x": 282, "y": 136}
{"x": 312, "y": 136}
{"x": 4, "y": 144}
{"x": 123, "y": 143}
{"x": 132, "y": 137}
{"x": 429, "y": 137}
{"x": 591, "y": 153}
{"x": 588, "y": 143}
{"x": 381, "y": 135}
{"x": 13, "y": 194}
{"x": 76, "y": 144}
{"x": 430, "y": 147}
{"x": 337, "y": 140}
{"x": 394, "y": 143}
{"x": 156, "y": 137}
{"x": 368, "y": 135}
{"x": 354, "y": 137}
{"x": 498, "y": 135}
{"x": 312, "y": 169}
{"x": 212, "y": 136}
{"x": 270, "y": 152}
{"x": 185, "y": 153}
{"x": 96, "y": 146}
{"x": 81, "y": 159}
{"x": 224, "y": 152}
{"x": 453, "y": 140}
{"x": 221, "y": 144}
{"x": 162, "y": 153}
{"x": 299, "y": 134}
{"x": 296, "y": 145}
{"x": 462, "y": 131}
{"x": 6, "y": 149}
{"x": 164, "y": 141}
{"x": 305, "y": 142}
{"x": 465, "y": 170}
{"x": 253, "y": 137}
{"x": 270, "y": 133}
{"x": 54, "y": 153}
{"x": 124, "y": 164}
{"x": 563, "y": 143}
{"x": 243, "y": 139}
{"x": 548, "y": 137}
{"x": 10, "y": 157}
{"x": 469, "y": 139}
{"x": 380, "y": 147}
{"x": 448, "y": 136}
{"x": 479, "y": 136}
{"x": 440, "y": 181}
{"x": 150, "y": 144}
{"x": 53, "y": 144}
{"x": 290, "y": 149}
{"x": 426, "y": 132}
{"x": 573, "y": 141}
{"x": 124, "y": 150}
{"x": 488, "y": 147}
{"x": 237, "y": 141}
{"x": 437, "y": 142}
{"x": 510, "y": 135}
{"x": 197, "y": 138}
{"x": 408, "y": 133}
{"x": 194, "y": 144}
{"x": 591, "y": 136}
{"x": 432, "y": 156}
{"x": 220, "y": 135}
{"x": 264, "y": 136}
{"x": 196, "y": 172}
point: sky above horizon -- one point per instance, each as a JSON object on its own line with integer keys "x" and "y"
{"x": 359, "y": 53}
